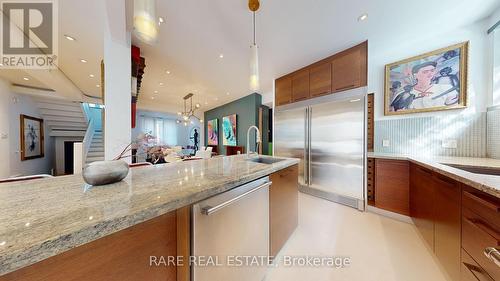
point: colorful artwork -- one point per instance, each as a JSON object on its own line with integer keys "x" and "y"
{"x": 213, "y": 132}
{"x": 229, "y": 130}
{"x": 32, "y": 139}
{"x": 429, "y": 82}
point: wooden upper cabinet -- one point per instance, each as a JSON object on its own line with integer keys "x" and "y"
{"x": 320, "y": 79}
{"x": 349, "y": 69}
{"x": 283, "y": 90}
{"x": 343, "y": 71}
{"x": 300, "y": 85}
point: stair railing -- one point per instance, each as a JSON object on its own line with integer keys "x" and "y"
{"x": 87, "y": 141}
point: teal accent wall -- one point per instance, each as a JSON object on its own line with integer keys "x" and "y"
{"x": 247, "y": 114}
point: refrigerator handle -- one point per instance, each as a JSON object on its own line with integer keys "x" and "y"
{"x": 309, "y": 166}
{"x": 306, "y": 146}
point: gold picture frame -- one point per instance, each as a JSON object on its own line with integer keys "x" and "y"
{"x": 32, "y": 137}
{"x": 401, "y": 95}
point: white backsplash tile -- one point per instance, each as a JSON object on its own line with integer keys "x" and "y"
{"x": 425, "y": 135}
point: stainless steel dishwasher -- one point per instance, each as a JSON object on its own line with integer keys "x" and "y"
{"x": 231, "y": 225}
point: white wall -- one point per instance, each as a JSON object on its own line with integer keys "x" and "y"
{"x": 11, "y": 107}
{"x": 380, "y": 54}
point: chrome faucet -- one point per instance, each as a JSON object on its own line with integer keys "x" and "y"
{"x": 248, "y": 139}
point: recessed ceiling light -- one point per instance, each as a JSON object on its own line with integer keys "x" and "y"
{"x": 3, "y": 243}
{"x": 1, "y": 64}
{"x": 70, "y": 38}
{"x": 221, "y": 56}
{"x": 156, "y": 92}
{"x": 161, "y": 83}
{"x": 152, "y": 98}
{"x": 83, "y": 60}
{"x": 91, "y": 218}
{"x": 26, "y": 78}
{"x": 160, "y": 20}
{"x": 168, "y": 72}
{"x": 27, "y": 224}
{"x": 363, "y": 17}
{"x": 206, "y": 102}
{"x": 216, "y": 98}
{"x": 98, "y": 85}
{"x": 91, "y": 75}
{"x": 227, "y": 94}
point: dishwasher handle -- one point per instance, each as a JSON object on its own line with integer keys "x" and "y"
{"x": 208, "y": 210}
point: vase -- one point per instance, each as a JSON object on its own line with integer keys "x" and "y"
{"x": 105, "y": 172}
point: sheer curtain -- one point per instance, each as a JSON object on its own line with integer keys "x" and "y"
{"x": 165, "y": 130}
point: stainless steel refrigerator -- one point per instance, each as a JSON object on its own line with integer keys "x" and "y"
{"x": 328, "y": 135}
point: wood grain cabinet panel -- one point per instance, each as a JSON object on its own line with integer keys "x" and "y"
{"x": 392, "y": 182}
{"x": 422, "y": 202}
{"x": 320, "y": 77}
{"x": 283, "y": 207}
{"x": 349, "y": 69}
{"x": 283, "y": 91}
{"x": 124, "y": 255}
{"x": 300, "y": 85}
{"x": 447, "y": 222}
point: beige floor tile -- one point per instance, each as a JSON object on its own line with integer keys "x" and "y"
{"x": 380, "y": 248}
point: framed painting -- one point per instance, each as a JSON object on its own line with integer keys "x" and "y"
{"x": 32, "y": 138}
{"x": 430, "y": 82}
{"x": 213, "y": 132}
{"x": 229, "y": 130}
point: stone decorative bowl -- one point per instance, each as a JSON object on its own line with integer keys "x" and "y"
{"x": 105, "y": 172}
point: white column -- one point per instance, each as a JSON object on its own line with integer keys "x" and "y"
{"x": 117, "y": 85}
{"x": 5, "y": 120}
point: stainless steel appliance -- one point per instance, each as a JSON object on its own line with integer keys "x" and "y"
{"x": 231, "y": 225}
{"x": 328, "y": 135}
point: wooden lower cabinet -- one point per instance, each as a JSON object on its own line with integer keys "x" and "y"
{"x": 124, "y": 255}
{"x": 392, "y": 185}
{"x": 447, "y": 222}
{"x": 480, "y": 230}
{"x": 283, "y": 207}
{"x": 422, "y": 202}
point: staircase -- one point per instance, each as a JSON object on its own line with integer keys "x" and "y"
{"x": 69, "y": 119}
{"x": 96, "y": 151}
{"x": 63, "y": 118}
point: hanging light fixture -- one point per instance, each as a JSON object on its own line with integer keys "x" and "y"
{"x": 254, "y": 5}
{"x": 145, "y": 21}
{"x": 188, "y": 113}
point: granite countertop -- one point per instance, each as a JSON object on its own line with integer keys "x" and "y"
{"x": 486, "y": 183}
{"x": 42, "y": 218}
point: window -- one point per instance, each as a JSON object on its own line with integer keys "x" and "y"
{"x": 165, "y": 130}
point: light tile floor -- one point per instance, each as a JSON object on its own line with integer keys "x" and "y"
{"x": 380, "y": 248}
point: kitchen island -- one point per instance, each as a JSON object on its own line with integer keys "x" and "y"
{"x": 47, "y": 218}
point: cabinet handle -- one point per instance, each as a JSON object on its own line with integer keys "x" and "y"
{"x": 483, "y": 227}
{"x": 445, "y": 180}
{"x": 346, "y": 87}
{"x": 474, "y": 269}
{"x": 424, "y": 170}
{"x": 493, "y": 255}
{"x": 482, "y": 201}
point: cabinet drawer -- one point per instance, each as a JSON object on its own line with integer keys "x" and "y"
{"x": 471, "y": 271}
{"x": 482, "y": 204}
{"x": 477, "y": 235}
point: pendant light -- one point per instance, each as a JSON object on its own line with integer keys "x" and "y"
{"x": 254, "y": 5}
{"x": 145, "y": 22}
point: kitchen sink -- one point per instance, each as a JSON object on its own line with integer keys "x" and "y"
{"x": 265, "y": 160}
{"x": 476, "y": 169}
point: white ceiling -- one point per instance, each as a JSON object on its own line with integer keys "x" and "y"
{"x": 83, "y": 20}
{"x": 290, "y": 34}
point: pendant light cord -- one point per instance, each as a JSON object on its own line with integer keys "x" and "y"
{"x": 254, "y": 29}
